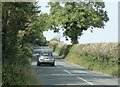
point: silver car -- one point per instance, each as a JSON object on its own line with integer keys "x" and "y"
{"x": 45, "y": 58}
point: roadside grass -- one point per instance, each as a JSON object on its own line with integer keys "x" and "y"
{"x": 99, "y": 57}
{"x": 60, "y": 48}
{"x": 18, "y": 71}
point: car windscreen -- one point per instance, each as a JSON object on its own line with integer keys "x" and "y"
{"x": 46, "y": 54}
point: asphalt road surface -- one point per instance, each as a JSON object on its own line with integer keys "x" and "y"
{"x": 66, "y": 73}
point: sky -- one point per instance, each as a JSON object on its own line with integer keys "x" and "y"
{"x": 108, "y": 34}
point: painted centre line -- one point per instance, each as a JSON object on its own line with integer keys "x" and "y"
{"x": 67, "y": 71}
{"x": 80, "y": 78}
{"x": 58, "y": 67}
{"x": 85, "y": 80}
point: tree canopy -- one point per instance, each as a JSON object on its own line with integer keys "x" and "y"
{"x": 23, "y": 26}
{"x": 22, "y": 23}
{"x": 75, "y": 17}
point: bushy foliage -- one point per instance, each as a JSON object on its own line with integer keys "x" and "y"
{"x": 100, "y": 57}
{"x": 22, "y": 26}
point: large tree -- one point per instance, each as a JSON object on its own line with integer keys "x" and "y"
{"x": 23, "y": 26}
{"x": 22, "y": 23}
{"x": 75, "y": 17}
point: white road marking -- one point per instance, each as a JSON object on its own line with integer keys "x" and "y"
{"x": 80, "y": 78}
{"x": 67, "y": 71}
{"x": 33, "y": 63}
{"x": 58, "y": 67}
{"x": 85, "y": 80}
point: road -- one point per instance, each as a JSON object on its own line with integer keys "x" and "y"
{"x": 66, "y": 73}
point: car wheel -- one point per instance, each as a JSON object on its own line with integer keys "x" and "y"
{"x": 38, "y": 64}
{"x": 53, "y": 64}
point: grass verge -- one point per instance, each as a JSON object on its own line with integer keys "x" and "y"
{"x": 100, "y": 57}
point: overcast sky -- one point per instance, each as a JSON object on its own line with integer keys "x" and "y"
{"x": 108, "y": 34}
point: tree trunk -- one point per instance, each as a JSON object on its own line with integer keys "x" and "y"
{"x": 74, "y": 39}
